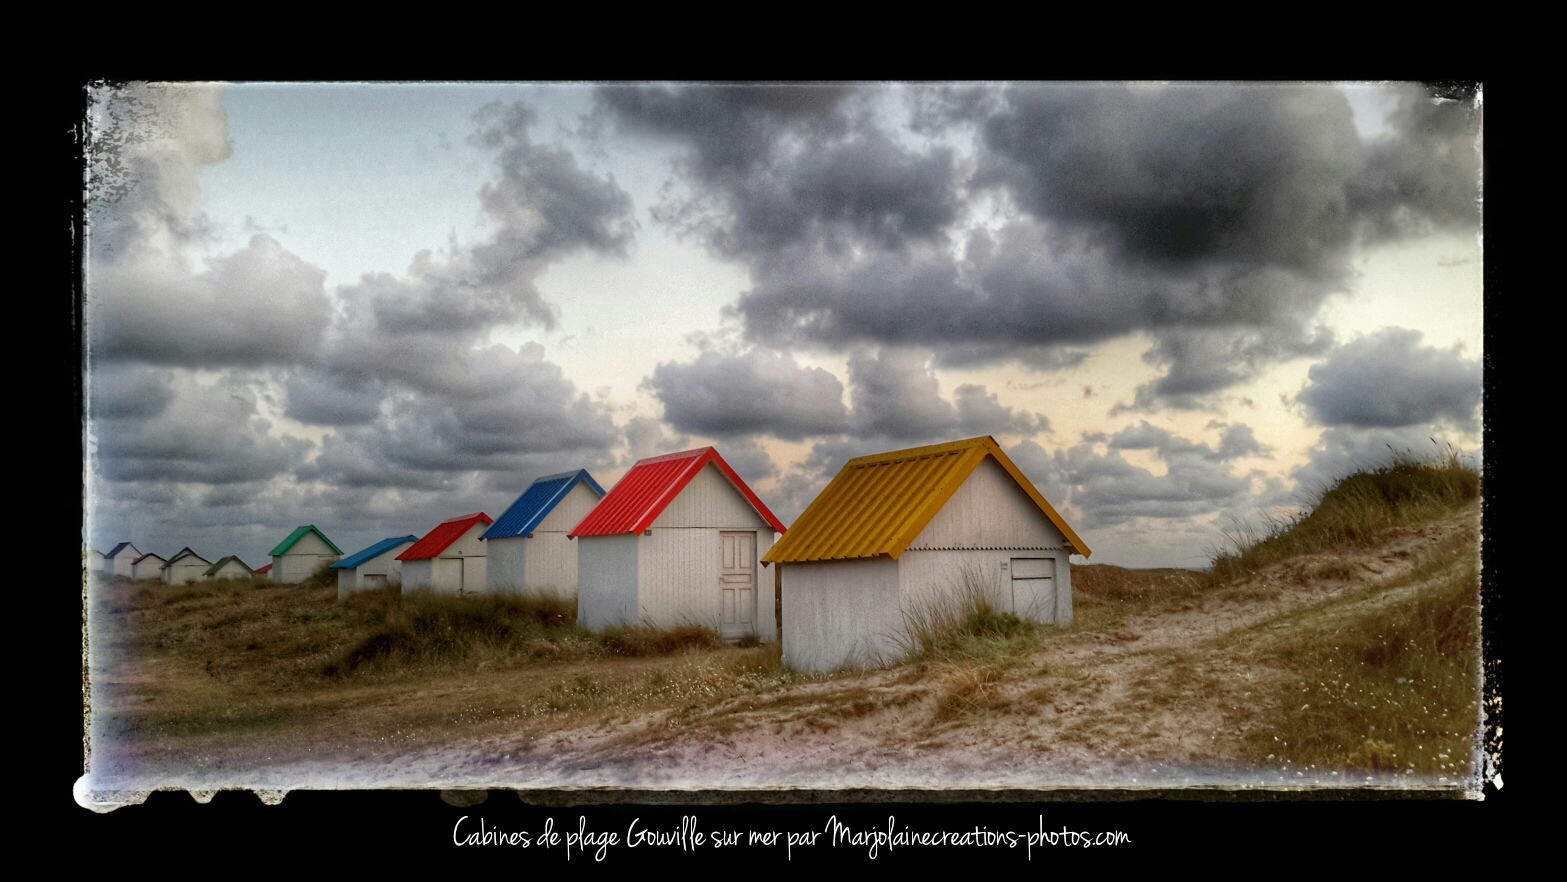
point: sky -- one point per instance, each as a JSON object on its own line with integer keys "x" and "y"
{"x": 1180, "y": 307}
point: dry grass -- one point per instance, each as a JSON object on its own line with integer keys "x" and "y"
{"x": 261, "y": 661}
{"x": 1393, "y": 686}
{"x": 964, "y": 624}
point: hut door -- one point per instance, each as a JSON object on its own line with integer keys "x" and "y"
{"x": 737, "y": 583}
{"x": 1034, "y": 589}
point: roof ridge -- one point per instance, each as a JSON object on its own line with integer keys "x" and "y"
{"x": 684, "y": 454}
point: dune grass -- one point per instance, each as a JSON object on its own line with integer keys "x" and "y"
{"x": 1393, "y": 688}
{"x": 1355, "y": 512}
{"x": 1376, "y": 686}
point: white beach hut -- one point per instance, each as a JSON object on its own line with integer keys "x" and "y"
{"x": 119, "y": 560}
{"x": 185, "y": 566}
{"x": 230, "y": 567}
{"x": 528, "y": 548}
{"x": 372, "y": 568}
{"x": 906, "y": 533}
{"x": 676, "y": 541}
{"x": 148, "y": 566}
{"x": 305, "y": 551}
{"x": 450, "y": 558}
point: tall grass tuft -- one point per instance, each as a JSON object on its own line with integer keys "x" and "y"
{"x": 963, "y": 624}
{"x": 1355, "y": 511}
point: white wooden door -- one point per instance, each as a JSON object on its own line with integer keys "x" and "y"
{"x": 737, "y": 583}
{"x": 1034, "y": 589}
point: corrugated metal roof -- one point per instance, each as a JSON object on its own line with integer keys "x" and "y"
{"x": 117, "y": 549}
{"x": 536, "y": 502}
{"x": 440, "y": 538}
{"x": 298, "y": 534}
{"x": 183, "y": 552}
{"x": 376, "y": 550}
{"x": 878, "y": 504}
{"x": 638, "y": 498}
{"x": 265, "y": 569}
{"x": 213, "y": 570}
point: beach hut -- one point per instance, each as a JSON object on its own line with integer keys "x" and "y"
{"x": 94, "y": 560}
{"x": 230, "y": 567}
{"x": 263, "y": 572}
{"x": 450, "y": 558}
{"x": 185, "y": 566}
{"x": 528, "y": 548}
{"x": 119, "y": 560}
{"x": 305, "y": 551}
{"x": 897, "y": 536}
{"x": 675, "y": 542}
{"x": 148, "y": 566}
{"x": 373, "y": 567}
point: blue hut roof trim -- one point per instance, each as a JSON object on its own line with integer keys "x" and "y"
{"x": 536, "y": 502}
{"x": 376, "y": 550}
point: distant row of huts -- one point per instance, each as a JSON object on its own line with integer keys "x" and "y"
{"x": 681, "y": 539}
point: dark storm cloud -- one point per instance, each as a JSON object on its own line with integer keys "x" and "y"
{"x": 755, "y": 391}
{"x": 261, "y": 305}
{"x": 1425, "y": 171}
{"x": 146, "y": 148}
{"x": 791, "y": 164}
{"x": 749, "y": 460}
{"x": 895, "y": 395}
{"x": 204, "y": 434}
{"x": 319, "y": 398}
{"x": 1218, "y": 218}
{"x": 519, "y": 406}
{"x": 129, "y": 391}
{"x": 1185, "y": 175}
{"x": 1389, "y": 380}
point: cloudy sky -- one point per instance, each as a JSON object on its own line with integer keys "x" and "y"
{"x": 373, "y": 307}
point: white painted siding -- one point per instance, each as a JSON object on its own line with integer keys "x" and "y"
{"x": 552, "y": 564}
{"x": 840, "y": 613}
{"x": 607, "y": 583}
{"x": 186, "y": 569}
{"x": 385, "y": 565}
{"x": 231, "y": 570}
{"x": 122, "y": 562}
{"x": 678, "y": 573}
{"x": 766, "y": 588}
{"x": 418, "y": 575}
{"x": 151, "y": 568}
{"x": 989, "y": 511}
{"x": 936, "y": 577}
{"x": 95, "y": 562}
{"x": 302, "y": 561}
{"x": 507, "y": 572}
{"x": 710, "y": 501}
{"x": 927, "y": 578}
{"x": 569, "y": 512}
